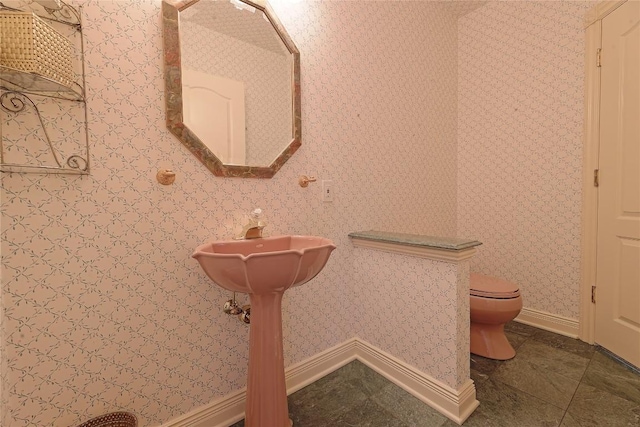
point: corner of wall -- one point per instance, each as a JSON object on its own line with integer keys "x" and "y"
{"x": 519, "y": 144}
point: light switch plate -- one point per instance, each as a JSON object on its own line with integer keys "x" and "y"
{"x": 327, "y": 190}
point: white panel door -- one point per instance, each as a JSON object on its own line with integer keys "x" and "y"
{"x": 618, "y": 265}
{"x": 213, "y": 109}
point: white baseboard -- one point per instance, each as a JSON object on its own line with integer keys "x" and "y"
{"x": 454, "y": 404}
{"x": 312, "y": 369}
{"x": 550, "y": 322}
{"x": 219, "y": 413}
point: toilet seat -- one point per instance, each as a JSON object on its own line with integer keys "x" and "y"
{"x": 492, "y": 287}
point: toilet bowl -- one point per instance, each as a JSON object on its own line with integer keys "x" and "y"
{"x": 494, "y": 302}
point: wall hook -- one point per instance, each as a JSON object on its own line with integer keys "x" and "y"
{"x": 166, "y": 176}
{"x": 304, "y": 180}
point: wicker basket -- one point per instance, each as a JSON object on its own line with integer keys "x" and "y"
{"x": 30, "y": 45}
{"x": 114, "y": 419}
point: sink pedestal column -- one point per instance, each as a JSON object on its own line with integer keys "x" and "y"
{"x": 266, "y": 388}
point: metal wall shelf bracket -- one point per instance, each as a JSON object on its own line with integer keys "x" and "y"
{"x": 32, "y": 104}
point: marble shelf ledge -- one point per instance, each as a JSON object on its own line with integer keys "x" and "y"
{"x": 448, "y": 249}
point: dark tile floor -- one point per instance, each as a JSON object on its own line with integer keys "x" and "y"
{"x": 552, "y": 381}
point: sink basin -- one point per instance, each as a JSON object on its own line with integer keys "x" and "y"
{"x": 271, "y": 264}
{"x": 265, "y": 268}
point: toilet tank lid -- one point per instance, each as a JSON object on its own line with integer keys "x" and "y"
{"x": 492, "y": 287}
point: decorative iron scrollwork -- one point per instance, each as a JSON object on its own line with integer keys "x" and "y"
{"x": 16, "y": 103}
{"x": 77, "y": 162}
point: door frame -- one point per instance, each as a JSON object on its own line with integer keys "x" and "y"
{"x": 591, "y": 148}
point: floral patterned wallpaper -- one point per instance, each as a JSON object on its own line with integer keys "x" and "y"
{"x": 103, "y": 307}
{"x": 520, "y": 118}
{"x": 424, "y": 305}
{"x": 397, "y": 296}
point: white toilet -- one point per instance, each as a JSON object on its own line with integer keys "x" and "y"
{"x": 494, "y": 302}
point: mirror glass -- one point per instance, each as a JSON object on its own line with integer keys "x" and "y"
{"x": 232, "y": 83}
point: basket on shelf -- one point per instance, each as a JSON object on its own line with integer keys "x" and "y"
{"x": 114, "y": 419}
{"x": 30, "y": 45}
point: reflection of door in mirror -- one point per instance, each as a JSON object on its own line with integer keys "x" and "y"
{"x": 214, "y": 109}
{"x": 218, "y": 38}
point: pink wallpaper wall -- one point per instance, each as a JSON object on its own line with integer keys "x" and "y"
{"x": 397, "y": 296}
{"x": 424, "y": 305}
{"x": 520, "y": 115}
{"x": 103, "y": 308}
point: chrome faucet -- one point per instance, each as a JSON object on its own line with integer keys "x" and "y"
{"x": 253, "y": 230}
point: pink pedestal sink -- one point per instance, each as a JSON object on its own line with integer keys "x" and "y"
{"x": 265, "y": 268}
